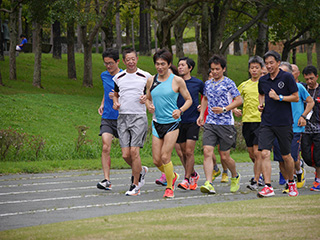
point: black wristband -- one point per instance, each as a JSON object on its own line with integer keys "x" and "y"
{"x": 181, "y": 112}
{"x": 304, "y": 117}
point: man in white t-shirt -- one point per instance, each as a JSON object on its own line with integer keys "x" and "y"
{"x": 132, "y": 122}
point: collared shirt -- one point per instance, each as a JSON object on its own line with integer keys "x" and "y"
{"x": 220, "y": 94}
{"x": 277, "y": 113}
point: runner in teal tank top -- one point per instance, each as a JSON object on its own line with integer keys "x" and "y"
{"x": 162, "y": 94}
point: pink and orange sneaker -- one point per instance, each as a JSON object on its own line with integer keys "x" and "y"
{"x": 194, "y": 182}
{"x": 162, "y": 180}
{"x": 168, "y": 193}
{"x": 184, "y": 185}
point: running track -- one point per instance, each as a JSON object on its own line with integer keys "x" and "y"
{"x": 34, "y": 199}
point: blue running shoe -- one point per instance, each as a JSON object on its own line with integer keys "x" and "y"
{"x": 282, "y": 181}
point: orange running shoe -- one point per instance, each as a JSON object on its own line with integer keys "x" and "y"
{"x": 168, "y": 193}
{"x": 194, "y": 182}
{"x": 184, "y": 185}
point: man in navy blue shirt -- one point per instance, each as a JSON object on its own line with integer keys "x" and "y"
{"x": 277, "y": 90}
{"x": 189, "y": 130}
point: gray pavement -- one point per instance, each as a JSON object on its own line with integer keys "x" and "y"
{"x": 35, "y": 199}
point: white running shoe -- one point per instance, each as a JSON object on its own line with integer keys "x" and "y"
{"x": 143, "y": 173}
{"x": 133, "y": 191}
{"x": 104, "y": 184}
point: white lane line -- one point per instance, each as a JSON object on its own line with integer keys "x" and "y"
{"x": 106, "y": 205}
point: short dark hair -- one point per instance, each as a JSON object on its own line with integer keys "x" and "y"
{"x": 256, "y": 59}
{"x": 164, "y": 54}
{"x": 218, "y": 59}
{"x": 309, "y": 70}
{"x": 288, "y": 65}
{"x": 174, "y": 70}
{"x": 111, "y": 53}
{"x": 127, "y": 51}
{"x": 189, "y": 61}
{"x": 274, "y": 54}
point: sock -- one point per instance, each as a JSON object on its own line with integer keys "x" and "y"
{"x": 268, "y": 184}
{"x": 168, "y": 170}
{"x": 161, "y": 168}
{"x": 225, "y": 171}
{"x": 291, "y": 181}
{"x": 216, "y": 168}
{"x": 194, "y": 174}
{"x": 187, "y": 179}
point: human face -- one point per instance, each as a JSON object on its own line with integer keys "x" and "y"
{"x": 264, "y": 71}
{"x": 111, "y": 65}
{"x": 162, "y": 66}
{"x": 272, "y": 65}
{"x": 217, "y": 71}
{"x": 131, "y": 61}
{"x": 255, "y": 71}
{"x": 295, "y": 71}
{"x": 210, "y": 75}
{"x": 183, "y": 68}
{"x": 311, "y": 80}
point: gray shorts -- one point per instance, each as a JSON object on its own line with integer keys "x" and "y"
{"x": 224, "y": 135}
{"x": 132, "y": 129}
{"x": 108, "y": 126}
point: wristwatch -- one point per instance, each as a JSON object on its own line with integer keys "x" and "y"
{"x": 304, "y": 117}
{"x": 181, "y": 112}
{"x": 224, "y": 110}
{"x": 280, "y": 97}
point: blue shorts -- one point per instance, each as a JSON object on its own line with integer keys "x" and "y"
{"x": 295, "y": 148}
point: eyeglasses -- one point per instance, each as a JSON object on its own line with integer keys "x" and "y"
{"x": 108, "y": 64}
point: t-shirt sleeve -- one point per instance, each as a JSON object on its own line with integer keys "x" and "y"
{"x": 292, "y": 84}
{"x": 116, "y": 88}
{"x": 303, "y": 92}
{"x": 260, "y": 87}
{"x": 202, "y": 88}
{"x": 233, "y": 89}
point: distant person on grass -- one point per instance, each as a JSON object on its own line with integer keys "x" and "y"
{"x": 23, "y": 42}
{"x": 219, "y": 126}
{"x": 129, "y": 99}
{"x": 310, "y": 142}
{"x": 162, "y": 93}
{"x": 299, "y": 113}
{"x": 277, "y": 90}
{"x": 251, "y": 118}
{"x": 108, "y": 127}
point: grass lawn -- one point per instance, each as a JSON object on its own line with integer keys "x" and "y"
{"x": 289, "y": 218}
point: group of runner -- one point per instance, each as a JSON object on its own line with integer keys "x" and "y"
{"x": 172, "y": 96}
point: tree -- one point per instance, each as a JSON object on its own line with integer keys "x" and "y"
{"x": 179, "y": 27}
{"x": 89, "y": 31}
{"x": 145, "y": 29}
{"x": 56, "y": 29}
{"x": 72, "y": 73}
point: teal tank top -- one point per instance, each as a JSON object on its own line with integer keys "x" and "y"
{"x": 164, "y": 99}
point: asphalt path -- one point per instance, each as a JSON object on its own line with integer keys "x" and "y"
{"x": 35, "y": 199}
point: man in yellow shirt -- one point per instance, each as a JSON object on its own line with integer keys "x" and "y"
{"x": 251, "y": 117}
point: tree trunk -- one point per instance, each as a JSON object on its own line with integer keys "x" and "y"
{"x": 103, "y": 39}
{"x": 1, "y": 43}
{"x": 236, "y": 47}
{"x": 318, "y": 53}
{"x": 34, "y": 36}
{"x": 132, "y": 34}
{"x": 155, "y": 35}
{"x": 250, "y": 46}
{"x": 108, "y": 32}
{"x": 13, "y": 17}
{"x": 79, "y": 43}
{"x": 144, "y": 31}
{"x": 72, "y": 74}
{"x": 87, "y": 71}
{"x": 294, "y": 55}
{"x": 198, "y": 43}
{"x": 204, "y": 46}
{"x": 262, "y": 33}
{"x": 20, "y": 21}
{"x": 37, "y": 56}
{"x": 128, "y": 39}
{"x": 179, "y": 26}
{"x": 56, "y": 30}
{"x": 118, "y": 29}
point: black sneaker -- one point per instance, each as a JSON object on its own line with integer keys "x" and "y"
{"x": 105, "y": 185}
{"x": 253, "y": 185}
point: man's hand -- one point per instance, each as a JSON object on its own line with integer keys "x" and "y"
{"x": 100, "y": 110}
{"x": 302, "y": 122}
{"x": 116, "y": 106}
{"x": 151, "y": 108}
{"x": 260, "y": 108}
{"x": 200, "y": 121}
{"x": 143, "y": 99}
{"x": 111, "y": 94}
{"x": 176, "y": 113}
{"x": 237, "y": 112}
{"x": 273, "y": 95}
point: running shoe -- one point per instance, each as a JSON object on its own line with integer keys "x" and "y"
{"x": 215, "y": 174}
{"x": 235, "y": 183}
{"x": 194, "y": 182}
{"x": 293, "y": 192}
{"x": 143, "y": 173}
{"x": 282, "y": 181}
{"x": 266, "y": 192}
{"x": 133, "y": 190}
{"x": 104, "y": 184}
{"x": 261, "y": 181}
{"x": 162, "y": 180}
{"x": 315, "y": 187}
{"x": 224, "y": 178}
{"x": 168, "y": 193}
{"x": 253, "y": 185}
{"x": 301, "y": 181}
{"x": 184, "y": 185}
{"x": 207, "y": 188}
{"x": 286, "y": 189}
{"x": 176, "y": 178}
